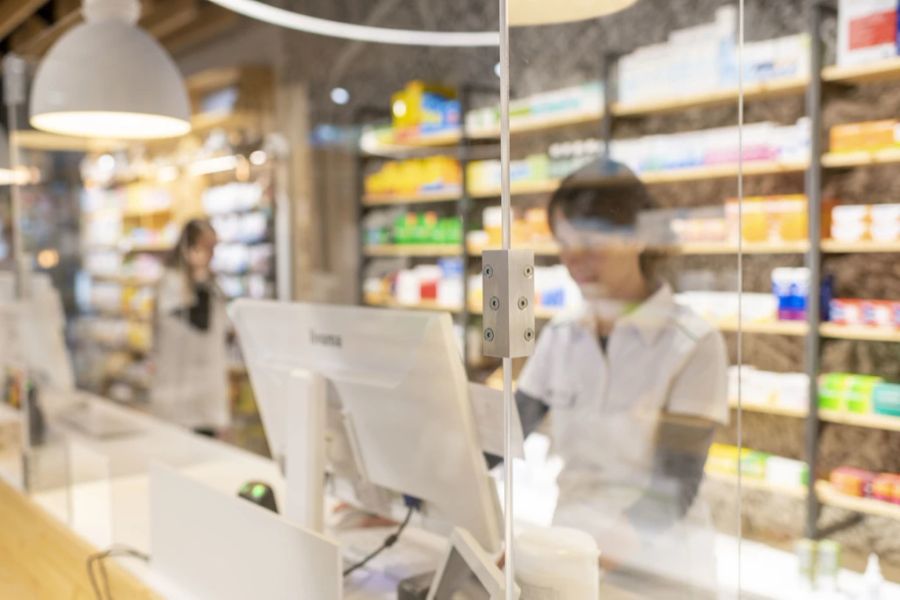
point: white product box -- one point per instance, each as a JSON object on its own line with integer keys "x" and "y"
{"x": 867, "y": 31}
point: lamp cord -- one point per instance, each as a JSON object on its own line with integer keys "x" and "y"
{"x": 95, "y": 564}
{"x": 388, "y": 542}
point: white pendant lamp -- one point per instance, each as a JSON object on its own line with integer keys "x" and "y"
{"x": 542, "y": 12}
{"x": 107, "y": 78}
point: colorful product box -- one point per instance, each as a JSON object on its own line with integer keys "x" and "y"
{"x": 867, "y": 136}
{"x": 886, "y": 399}
{"x": 846, "y": 391}
{"x": 867, "y": 31}
{"x": 860, "y": 312}
{"x": 853, "y": 481}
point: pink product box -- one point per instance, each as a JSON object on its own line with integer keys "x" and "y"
{"x": 725, "y": 156}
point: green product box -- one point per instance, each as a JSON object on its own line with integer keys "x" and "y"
{"x": 753, "y": 464}
{"x": 886, "y": 399}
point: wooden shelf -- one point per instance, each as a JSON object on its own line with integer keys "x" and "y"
{"x": 848, "y": 332}
{"x": 424, "y": 198}
{"x": 147, "y": 247}
{"x": 541, "y": 313}
{"x": 539, "y": 123}
{"x": 137, "y": 214}
{"x": 126, "y": 280}
{"x": 830, "y": 496}
{"x": 828, "y": 330}
{"x": 723, "y": 171}
{"x": 836, "y": 247}
{"x": 519, "y": 188}
{"x": 869, "y": 420}
{"x": 540, "y": 249}
{"x": 836, "y": 160}
{"x": 770, "y": 89}
{"x": 792, "y": 328}
{"x": 882, "y": 70}
{"x": 753, "y": 483}
{"x": 746, "y": 248}
{"x": 781, "y": 411}
{"x": 423, "y": 305}
{"x": 413, "y": 250}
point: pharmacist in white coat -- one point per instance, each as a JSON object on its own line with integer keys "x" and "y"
{"x": 190, "y": 385}
{"x": 634, "y": 385}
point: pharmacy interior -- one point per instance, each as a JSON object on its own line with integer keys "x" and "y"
{"x": 645, "y": 248}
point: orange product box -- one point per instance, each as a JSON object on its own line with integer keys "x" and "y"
{"x": 865, "y": 136}
{"x": 852, "y": 481}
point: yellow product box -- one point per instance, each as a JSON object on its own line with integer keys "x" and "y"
{"x": 866, "y": 136}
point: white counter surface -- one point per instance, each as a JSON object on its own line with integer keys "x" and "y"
{"x": 109, "y": 503}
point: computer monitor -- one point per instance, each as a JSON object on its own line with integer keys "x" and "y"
{"x": 397, "y": 387}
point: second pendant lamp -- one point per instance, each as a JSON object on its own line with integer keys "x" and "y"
{"x": 107, "y": 78}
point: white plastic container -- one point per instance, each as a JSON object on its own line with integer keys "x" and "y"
{"x": 558, "y": 563}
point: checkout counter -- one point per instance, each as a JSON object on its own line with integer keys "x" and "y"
{"x": 48, "y": 533}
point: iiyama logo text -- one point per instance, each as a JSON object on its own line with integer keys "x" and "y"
{"x": 325, "y": 339}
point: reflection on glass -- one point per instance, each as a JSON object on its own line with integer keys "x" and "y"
{"x": 190, "y": 386}
{"x": 634, "y": 386}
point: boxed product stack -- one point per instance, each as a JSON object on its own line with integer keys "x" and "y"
{"x": 705, "y": 56}
{"x": 789, "y": 391}
{"x": 529, "y": 228}
{"x": 859, "y": 394}
{"x": 867, "y": 31}
{"x": 790, "y": 286}
{"x": 554, "y": 289}
{"x": 584, "y": 99}
{"x": 415, "y": 176}
{"x": 864, "y": 222}
{"x": 866, "y": 484}
{"x": 423, "y": 108}
{"x": 426, "y": 228}
{"x": 770, "y": 218}
{"x": 856, "y": 312}
{"x": 865, "y": 136}
{"x": 711, "y": 147}
{"x": 439, "y": 283}
{"x": 760, "y": 466}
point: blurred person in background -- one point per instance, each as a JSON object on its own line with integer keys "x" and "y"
{"x": 634, "y": 384}
{"x": 190, "y": 362}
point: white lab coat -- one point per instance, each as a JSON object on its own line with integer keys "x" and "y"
{"x": 604, "y": 410}
{"x": 190, "y": 381}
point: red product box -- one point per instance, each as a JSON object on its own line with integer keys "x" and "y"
{"x": 846, "y": 311}
{"x": 853, "y": 481}
{"x": 874, "y": 29}
{"x": 878, "y": 313}
{"x": 885, "y": 486}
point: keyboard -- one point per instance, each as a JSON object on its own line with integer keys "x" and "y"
{"x": 414, "y": 553}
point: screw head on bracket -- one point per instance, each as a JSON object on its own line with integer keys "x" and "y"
{"x": 523, "y": 303}
{"x": 488, "y": 271}
{"x": 489, "y": 335}
{"x": 494, "y": 303}
{"x": 529, "y": 334}
{"x": 529, "y": 272}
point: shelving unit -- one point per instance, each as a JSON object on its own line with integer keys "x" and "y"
{"x": 812, "y": 331}
{"x": 412, "y": 250}
{"x": 829, "y": 496}
{"x": 753, "y": 483}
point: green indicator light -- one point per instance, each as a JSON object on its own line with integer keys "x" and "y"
{"x": 258, "y": 491}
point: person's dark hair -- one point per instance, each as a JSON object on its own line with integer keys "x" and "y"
{"x": 606, "y": 196}
{"x": 190, "y": 233}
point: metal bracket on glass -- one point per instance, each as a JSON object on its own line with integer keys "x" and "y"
{"x": 508, "y": 277}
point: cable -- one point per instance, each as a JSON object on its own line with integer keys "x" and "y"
{"x": 98, "y": 559}
{"x": 388, "y": 542}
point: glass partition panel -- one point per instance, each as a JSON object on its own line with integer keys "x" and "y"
{"x": 625, "y": 167}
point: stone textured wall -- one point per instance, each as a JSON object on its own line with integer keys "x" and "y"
{"x": 550, "y": 57}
